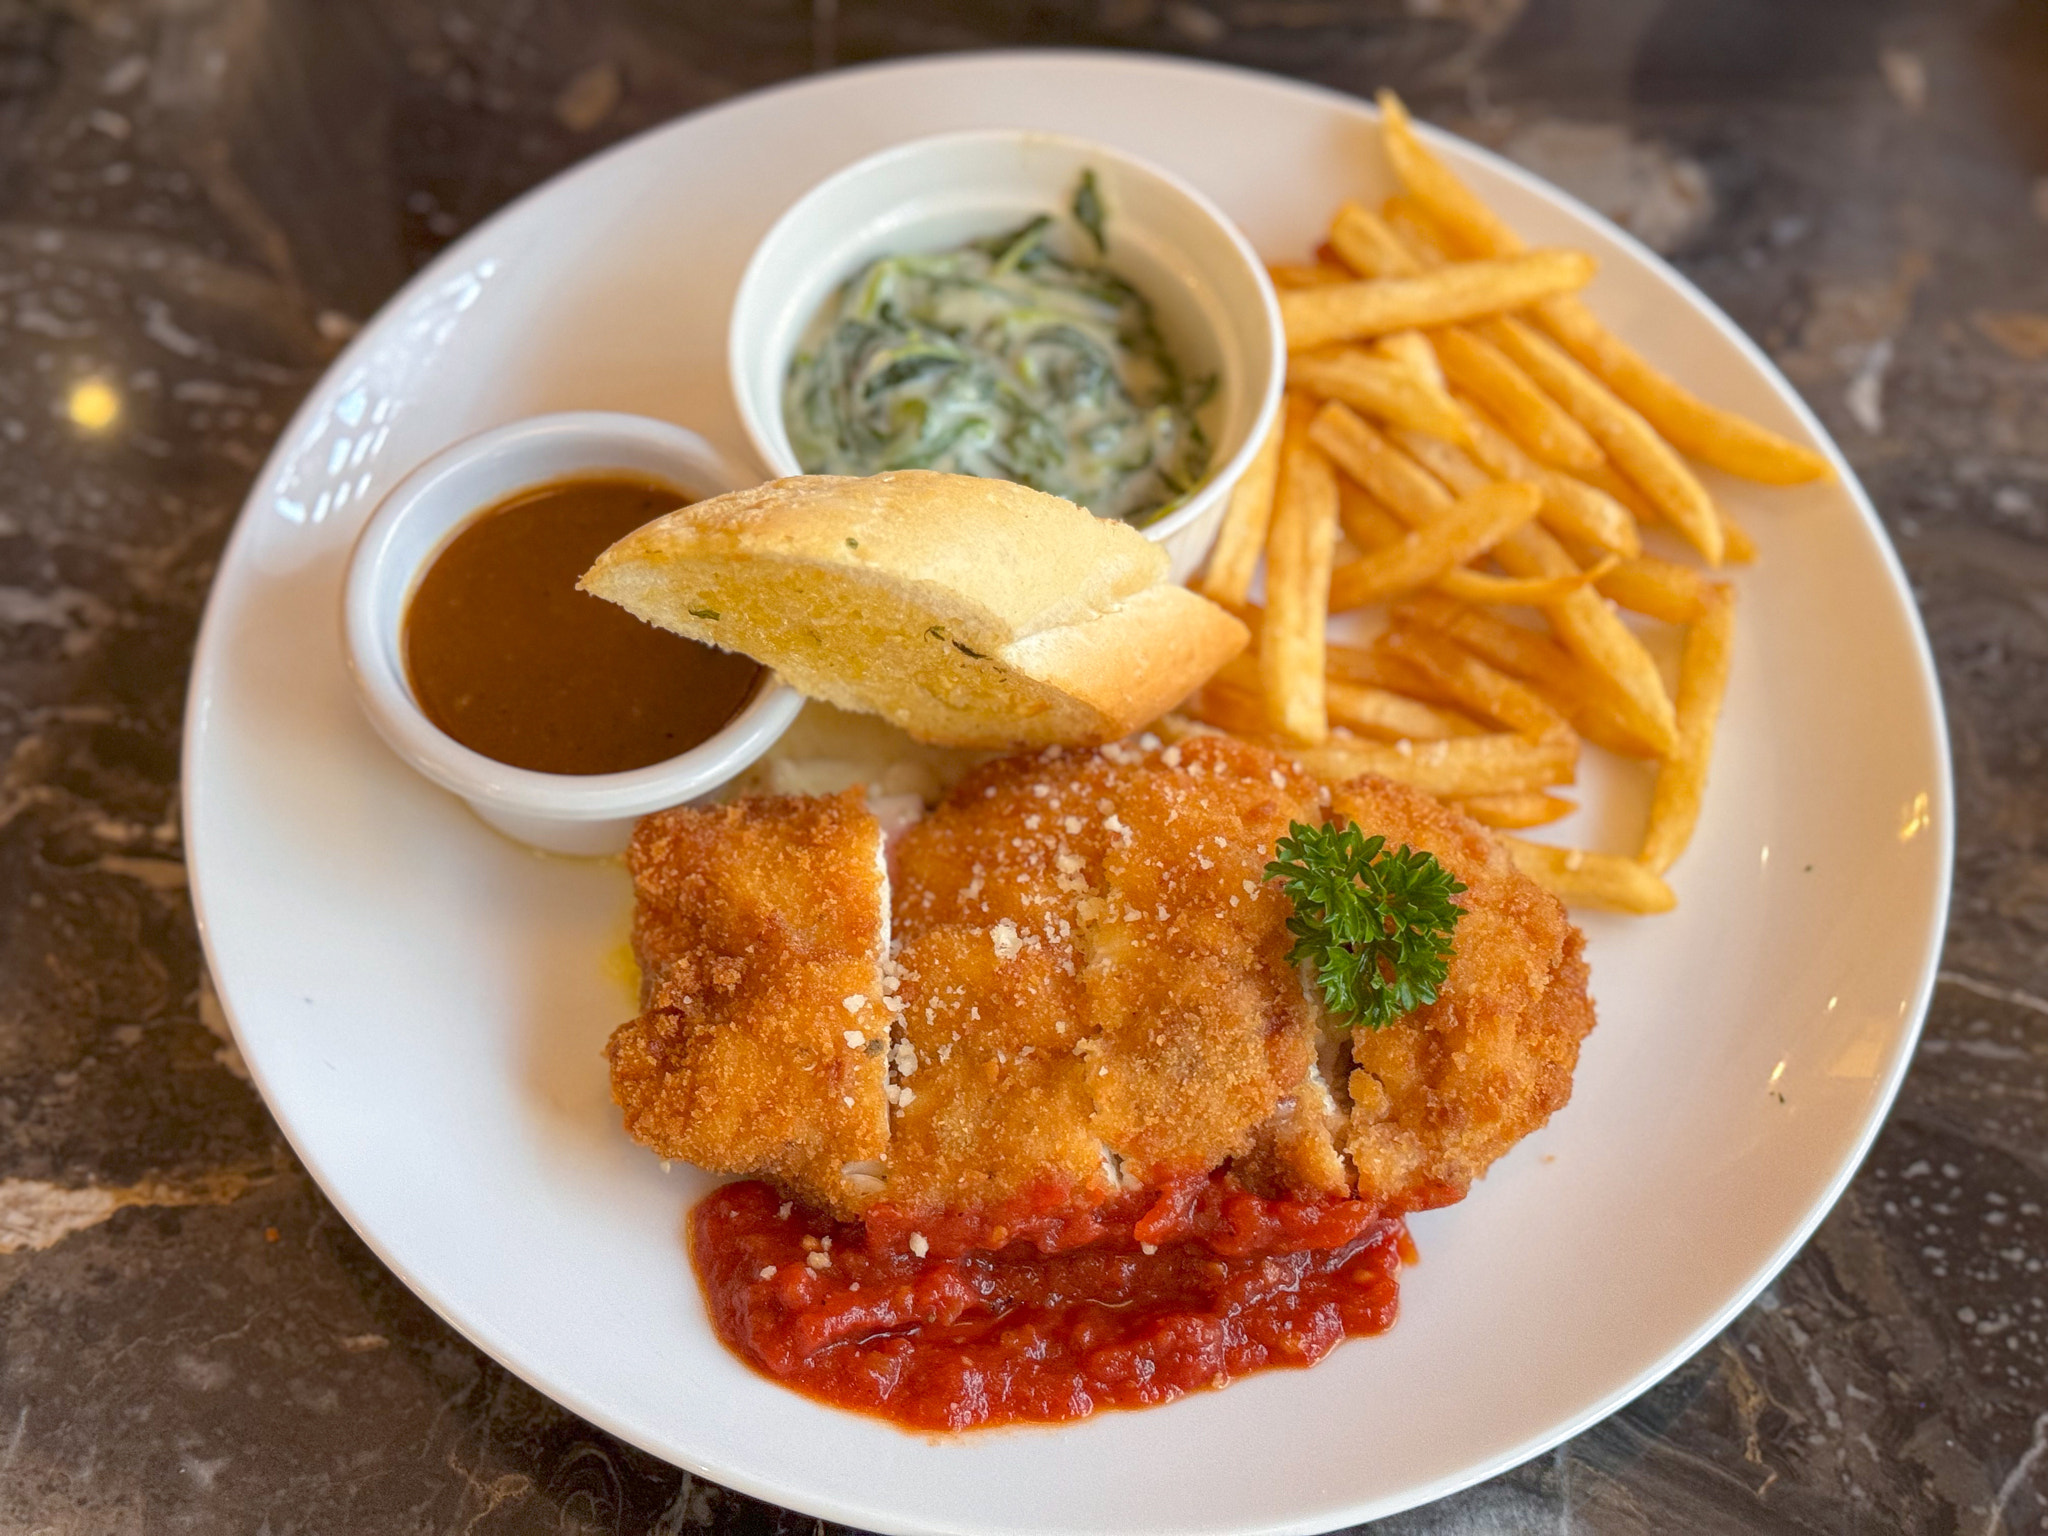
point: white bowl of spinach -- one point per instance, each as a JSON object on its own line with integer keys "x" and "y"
{"x": 1020, "y": 305}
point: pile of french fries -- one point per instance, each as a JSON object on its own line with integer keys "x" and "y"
{"x": 1464, "y": 442}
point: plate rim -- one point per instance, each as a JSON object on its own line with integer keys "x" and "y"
{"x": 1941, "y": 791}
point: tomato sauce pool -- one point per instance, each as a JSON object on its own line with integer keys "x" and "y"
{"x": 1042, "y": 1318}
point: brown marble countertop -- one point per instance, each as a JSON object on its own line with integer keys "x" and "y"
{"x": 200, "y": 200}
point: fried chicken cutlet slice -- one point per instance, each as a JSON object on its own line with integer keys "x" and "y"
{"x": 761, "y": 928}
{"x": 1438, "y": 1095}
{"x": 993, "y": 1107}
{"x": 1207, "y": 1045}
{"x": 1139, "y": 996}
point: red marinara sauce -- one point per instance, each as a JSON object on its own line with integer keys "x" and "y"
{"x": 1041, "y": 1316}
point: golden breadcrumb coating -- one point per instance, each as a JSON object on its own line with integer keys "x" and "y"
{"x": 995, "y": 1103}
{"x": 756, "y": 923}
{"x": 1441, "y": 1093}
{"x": 1126, "y": 884}
{"x": 1089, "y": 991}
{"x": 1204, "y": 1033}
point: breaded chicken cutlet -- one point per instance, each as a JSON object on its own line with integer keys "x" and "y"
{"x": 761, "y": 929}
{"x": 1075, "y": 983}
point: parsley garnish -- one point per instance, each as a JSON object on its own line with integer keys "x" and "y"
{"x": 1377, "y": 925}
{"x": 705, "y": 613}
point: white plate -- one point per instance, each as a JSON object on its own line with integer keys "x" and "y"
{"x": 422, "y": 1002}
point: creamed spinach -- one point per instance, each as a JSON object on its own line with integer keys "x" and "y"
{"x": 1004, "y": 359}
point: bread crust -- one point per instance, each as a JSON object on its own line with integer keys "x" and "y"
{"x": 969, "y": 612}
{"x": 1010, "y": 560}
{"x": 1133, "y": 663}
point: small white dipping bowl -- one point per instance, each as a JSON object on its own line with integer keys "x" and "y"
{"x": 561, "y": 812}
{"x": 1208, "y": 289}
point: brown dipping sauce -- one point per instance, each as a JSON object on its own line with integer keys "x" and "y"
{"x": 506, "y": 656}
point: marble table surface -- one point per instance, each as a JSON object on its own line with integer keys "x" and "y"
{"x": 199, "y": 202}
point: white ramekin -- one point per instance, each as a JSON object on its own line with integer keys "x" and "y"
{"x": 1208, "y": 288}
{"x": 561, "y": 812}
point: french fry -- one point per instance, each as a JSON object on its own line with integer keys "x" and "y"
{"x": 1592, "y": 631}
{"x": 1248, "y": 613}
{"x": 1674, "y": 593}
{"x": 1378, "y": 386}
{"x": 1373, "y": 668}
{"x": 1364, "y": 691}
{"x": 1454, "y": 407}
{"x": 1618, "y": 487}
{"x": 1738, "y": 547}
{"x": 1229, "y": 709}
{"x": 1373, "y": 249}
{"x": 1358, "y": 664}
{"x": 1298, "y": 553}
{"x": 1708, "y": 433}
{"x": 1369, "y": 246}
{"x": 1234, "y": 699}
{"x": 1403, "y": 486}
{"x": 1535, "y": 421}
{"x": 1411, "y": 350}
{"x": 1519, "y": 591}
{"x": 1457, "y": 470}
{"x": 1634, "y": 446}
{"x": 1242, "y": 539}
{"x": 1572, "y": 507}
{"x": 1475, "y": 523}
{"x": 1513, "y": 648}
{"x": 1581, "y": 694}
{"x": 1392, "y": 716}
{"x": 1580, "y": 878}
{"x": 1365, "y": 522}
{"x": 1316, "y": 317}
{"x": 1461, "y": 765}
{"x": 1682, "y": 777}
{"x": 1530, "y": 808}
{"x": 1741, "y": 547}
{"x": 1241, "y": 671}
{"x": 1418, "y": 234}
{"x": 1309, "y": 275}
{"x": 1586, "y": 625}
{"x": 1484, "y": 690}
{"x": 1447, "y": 461}
{"x": 1472, "y": 226}
{"x": 1712, "y": 435}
